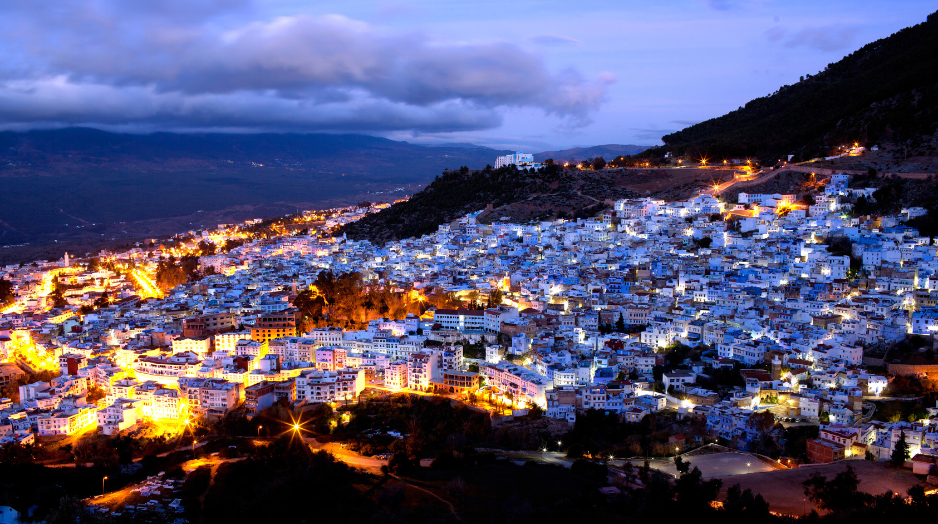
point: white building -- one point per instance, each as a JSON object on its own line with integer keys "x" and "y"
{"x": 520, "y": 159}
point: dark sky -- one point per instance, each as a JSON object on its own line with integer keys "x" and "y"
{"x": 533, "y": 74}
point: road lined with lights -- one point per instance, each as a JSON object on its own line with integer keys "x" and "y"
{"x": 147, "y": 287}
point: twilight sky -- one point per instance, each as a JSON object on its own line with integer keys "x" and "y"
{"x": 534, "y": 75}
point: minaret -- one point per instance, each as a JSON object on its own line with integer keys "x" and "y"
{"x": 776, "y": 368}
{"x": 66, "y": 259}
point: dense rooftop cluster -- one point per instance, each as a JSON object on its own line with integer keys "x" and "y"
{"x": 719, "y": 311}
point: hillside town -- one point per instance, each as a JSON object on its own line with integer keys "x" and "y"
{"x": 774, "y": 304}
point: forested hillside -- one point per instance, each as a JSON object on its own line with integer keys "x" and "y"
{"x": 885, "y": 91}
{"x": 549, "y": 193}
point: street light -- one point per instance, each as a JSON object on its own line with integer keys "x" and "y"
{"x": 194, "y": 442}
{"x": 748, "y": 467}
{"x": 259, "y": 431}
{"x": 102, "y": 484}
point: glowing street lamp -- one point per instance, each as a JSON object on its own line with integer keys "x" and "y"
{"x": 259, "y": 431}
{"x": 102, "y": 484}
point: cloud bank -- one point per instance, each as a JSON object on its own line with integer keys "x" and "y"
{"x": 213, "y": 64}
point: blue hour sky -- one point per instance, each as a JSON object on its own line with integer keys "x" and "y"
{"x": 524, "y": 74}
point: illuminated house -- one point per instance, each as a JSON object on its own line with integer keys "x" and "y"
{"x": 158, "y": 402}
{"x": 318, "y": 386}
{"x": 517, "y": 383}
{"x": 229, "y": 341}
{"x": 460, "y": 319}
{"x": 117, "y": 417}
{"x": 210, "y": 396}
{"x": 422, "y": 368}
{"x": 66, "y": 421}
{"x": 395, "y": 377}
{"x": 274, "y": 325}
{"x": 262, "y": 395}
{"x": 167, "y": 370}
{"x": 460, "y": 382}
{"x": 200, "y": 346}
{"x": 294, "y": 348}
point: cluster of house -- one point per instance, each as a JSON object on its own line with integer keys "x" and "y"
{"x": 589, "y": 309}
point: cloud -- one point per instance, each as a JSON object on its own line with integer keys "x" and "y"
{"x": 834, "y": 37}
{"x": 686, "y": 122}
{"x": 58, "y": 101}
{"x": 554, "y": 40}
{"x": 103, "y": 62}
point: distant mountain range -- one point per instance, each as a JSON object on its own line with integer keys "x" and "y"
{"x": 886, "y": 91}
{"x": 608, "y": 152}
{"x": 83, "y": 184}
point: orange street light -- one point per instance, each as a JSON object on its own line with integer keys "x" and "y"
{"x": 102, "y": 485}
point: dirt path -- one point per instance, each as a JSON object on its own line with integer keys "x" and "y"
{"x": 432, "y": 494}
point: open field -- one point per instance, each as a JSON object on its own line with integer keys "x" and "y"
{"x": 785, "y": 494}
{"x": 714, "y": 465}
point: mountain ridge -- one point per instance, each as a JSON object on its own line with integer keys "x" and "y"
{"x": 607, "y": 151}
{"x": 61, "y": 184}
{"x": 884, "y": 91}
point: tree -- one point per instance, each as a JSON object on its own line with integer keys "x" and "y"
{"x": 103, "y": 301}
{"x": 495, "y": 298}
{"x": 695, "y": 494}
{"x": 206, "y": 248}
{"x": 57, "y": 298}
{"x": 620, "y": 324}
{"x": 900, "y": 453}
{"x": 741, "y": 504}
{"x": 7, "y": 295}
{"x": 682, "y": 467}
{"x": 840, "y": 495}
{"x": 598, "y": 163}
